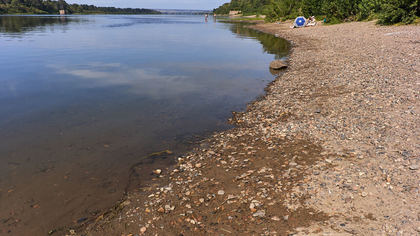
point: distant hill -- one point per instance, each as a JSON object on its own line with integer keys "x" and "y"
{"x": 183, "y": 12}
{"x": 53, "y": 7}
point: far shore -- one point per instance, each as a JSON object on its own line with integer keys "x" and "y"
{"x": 332, "y": 148}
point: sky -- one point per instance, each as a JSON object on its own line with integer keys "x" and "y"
{"x": 156, "y": 4}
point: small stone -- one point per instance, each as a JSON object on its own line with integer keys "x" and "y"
{"x": 364, "y": 194}
{"x": 169, "y": 208}
{"x": 198, "y": 165}
{"x": 125, "y": 203}
{"x": 414, "y": 167}
{"x": 157, "y": 171}
{"x": 278, "y": 64}
{"x": 201, "y": 200}
{"x": 143, "y": 230}
{"x": 254, "y": 204}
{"x": 221, "y": 192}
{"x": 275, "y": 218}
{"x": 260, "y": 213}
{"x": 161, "y": 210}
{"x": 286, "y": 217}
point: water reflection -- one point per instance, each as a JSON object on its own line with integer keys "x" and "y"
{"x": 156, "y": 83}
{"x": 17, "y": 25}
{"x": 271, "y": 44}
{"x": 145, "y": 81}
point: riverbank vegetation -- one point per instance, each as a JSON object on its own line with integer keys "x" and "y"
{"x": 53, "y": 7}
{"x": 333, "y": 11}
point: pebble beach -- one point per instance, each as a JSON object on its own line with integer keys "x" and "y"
{"x": 332, "y": 148}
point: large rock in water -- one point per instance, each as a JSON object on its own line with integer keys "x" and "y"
{"x": 278, "y": 64}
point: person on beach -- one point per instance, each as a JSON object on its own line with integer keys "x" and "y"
{"x": 303, "y": 22}
{"x": 311, "y": 21}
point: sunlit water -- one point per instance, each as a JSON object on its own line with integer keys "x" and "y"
{"x": 83, "y": 98}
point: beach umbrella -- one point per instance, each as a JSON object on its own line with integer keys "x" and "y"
{"x": 300, "y": 21}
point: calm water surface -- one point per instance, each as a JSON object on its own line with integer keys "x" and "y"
{"x": 83, "y": 98}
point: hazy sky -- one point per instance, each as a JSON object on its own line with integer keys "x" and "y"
{"x": 156, "y": 4}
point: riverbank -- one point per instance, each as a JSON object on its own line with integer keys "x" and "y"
{"x": 331, "y": 148}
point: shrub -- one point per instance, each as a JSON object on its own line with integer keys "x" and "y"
{"x": 395, "y": 11}
{"x": 368, "y": 8}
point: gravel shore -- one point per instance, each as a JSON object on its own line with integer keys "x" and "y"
{"x": 331, "y": 149}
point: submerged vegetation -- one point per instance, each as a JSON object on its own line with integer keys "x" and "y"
{"x": 333, "y": 11}
{"x": 53, "y": 7}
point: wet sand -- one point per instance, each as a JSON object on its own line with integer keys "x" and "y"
{"x": 332, "y": 148}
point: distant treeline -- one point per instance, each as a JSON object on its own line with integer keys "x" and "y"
{"x": 53, "y": 7}
{"x": 334, "y": 11}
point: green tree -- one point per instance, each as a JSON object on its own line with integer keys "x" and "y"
{"x": 283, "y": 9}
{"x": 15, "y": 2}
{"x": 53, "y": 7}
{"x": 312, "y": 7}
{"x": 395, "y": 11}
{"x": 367, "y": 8}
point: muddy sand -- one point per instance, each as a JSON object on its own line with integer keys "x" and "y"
{"x": 331, "y": 149}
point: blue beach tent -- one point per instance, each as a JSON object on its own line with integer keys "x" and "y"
{"x": 300, "y": 21}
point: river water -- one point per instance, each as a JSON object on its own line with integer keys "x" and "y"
{"x": 84, "y": 98}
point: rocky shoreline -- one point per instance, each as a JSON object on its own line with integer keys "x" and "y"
{"x": 331, "y": 149}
